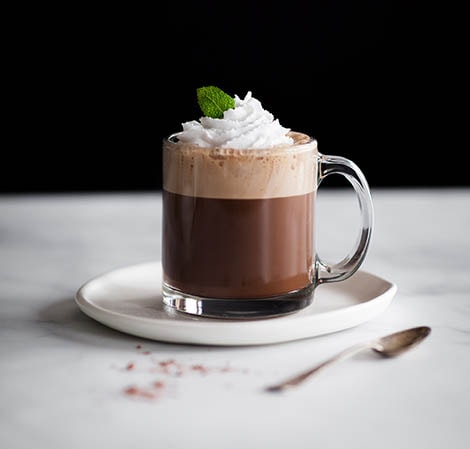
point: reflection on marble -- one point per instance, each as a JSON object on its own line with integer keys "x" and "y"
{"x": 66, "y": 380}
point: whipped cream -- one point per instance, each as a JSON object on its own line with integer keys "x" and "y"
{"x": 246, "y": 126}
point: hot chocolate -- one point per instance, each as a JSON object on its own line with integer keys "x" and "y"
{"x": 239, "y": 212}
{"x": 239, "y": 223}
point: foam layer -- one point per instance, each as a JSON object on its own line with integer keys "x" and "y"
{"x": 241, "y": 174}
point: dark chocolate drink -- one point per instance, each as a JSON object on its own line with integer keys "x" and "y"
{"x": 238, "y": 248}
{"x": 239, "y": 224}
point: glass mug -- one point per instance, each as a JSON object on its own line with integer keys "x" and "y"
{"x": 238, "y": 236}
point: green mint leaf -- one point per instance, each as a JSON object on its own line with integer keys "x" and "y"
{"x": 214, "y": 101}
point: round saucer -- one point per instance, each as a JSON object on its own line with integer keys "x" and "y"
{"x": 129, "y": 299}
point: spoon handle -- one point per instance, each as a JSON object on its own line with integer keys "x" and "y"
{"x": 299, "y": 378}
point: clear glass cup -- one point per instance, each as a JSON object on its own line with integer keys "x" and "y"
{"x": 238, "y": 236}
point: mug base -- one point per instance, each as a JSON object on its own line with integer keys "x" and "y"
{"x": 234, "y": 308}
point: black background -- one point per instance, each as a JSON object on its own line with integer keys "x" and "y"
{"x": 95, "y": 90}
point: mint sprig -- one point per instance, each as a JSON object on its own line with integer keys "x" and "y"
{"x": 214, "y": 101}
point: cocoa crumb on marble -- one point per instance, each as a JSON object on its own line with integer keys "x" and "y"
{"x": 200, "y": 368}
{"x": 140, "y": 392}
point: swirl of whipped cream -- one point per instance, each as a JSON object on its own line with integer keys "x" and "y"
{"x": 246, "y": 126}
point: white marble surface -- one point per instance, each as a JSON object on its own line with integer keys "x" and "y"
{"x": 63, "y": 375}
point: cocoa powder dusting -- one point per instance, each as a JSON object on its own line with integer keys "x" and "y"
{"x": 169, "y": 368}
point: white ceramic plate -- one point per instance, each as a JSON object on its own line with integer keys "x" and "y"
{"x": 129, "y": 300}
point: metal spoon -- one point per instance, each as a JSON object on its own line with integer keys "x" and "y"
{"x": 387, "y": 346}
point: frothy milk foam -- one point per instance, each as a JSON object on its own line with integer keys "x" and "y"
{"x": 281, "y": 171}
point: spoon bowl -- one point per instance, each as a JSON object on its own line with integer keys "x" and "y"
{"x": 388, "y": 346}
{"x": 398, "y": 342}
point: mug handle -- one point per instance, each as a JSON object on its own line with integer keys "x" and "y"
{"x": 330, "y": 165}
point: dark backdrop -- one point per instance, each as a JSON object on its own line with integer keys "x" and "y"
{"x": 98, "y": 89}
